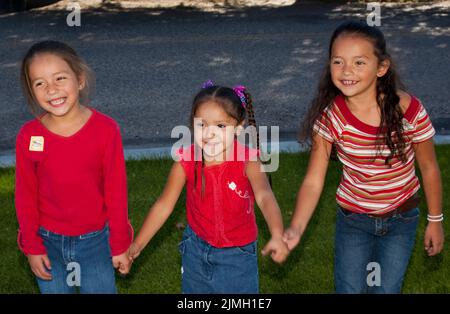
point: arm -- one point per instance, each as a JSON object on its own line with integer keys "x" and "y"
{"x": 116, "y": 201}
{"x": 161, "y": 209}
{"x": 116, "y": 195}
{"x": 267, "y": 203}
{"x": 426, "y": 159}
{"x": 310, "y": 190}
{"x": 26, "y": 200}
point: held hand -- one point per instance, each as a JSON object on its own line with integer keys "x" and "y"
{"x": 39, "y": 265}
{"x": 133, "y": 251}
{"x": 122, "y": 263}
{"x": 434, "y": 238}
{"x": 291, "y": 237}
{"x": 277, "y": 250}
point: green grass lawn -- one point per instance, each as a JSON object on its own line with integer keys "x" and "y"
{"x": 309, "y": 268}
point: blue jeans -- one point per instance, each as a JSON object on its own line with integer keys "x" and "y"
{"x": 82, "y": 262}
{"x": 207, "y": 269}
{"x": 385, "y": 243}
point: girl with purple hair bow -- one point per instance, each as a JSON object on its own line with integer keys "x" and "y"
{"x": 223, "y": 181}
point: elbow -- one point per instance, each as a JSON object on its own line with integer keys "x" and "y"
{"x": 263, "y": 199}
{"x": 431, "y": 174}
{"x": 162, "y": 208}
{"x": 313, "y": 186}
{"x": 430, "y": 169}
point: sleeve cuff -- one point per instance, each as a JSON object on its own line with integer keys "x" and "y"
{"x": 30, "y": 246}
{"x": 121, "y": 241}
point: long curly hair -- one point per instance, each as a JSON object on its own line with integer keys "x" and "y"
{"x": 391, "y": 128}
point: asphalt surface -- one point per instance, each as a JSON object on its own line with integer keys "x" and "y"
{"x": 150, "y": 63}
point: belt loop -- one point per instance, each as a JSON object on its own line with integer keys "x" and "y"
{"x": 45, "y": 231}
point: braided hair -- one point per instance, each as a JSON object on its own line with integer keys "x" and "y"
{"x": 237, "y": 104}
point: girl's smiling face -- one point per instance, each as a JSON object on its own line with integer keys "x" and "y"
{"x": 354, "y": 66}
{"x": 54, "y": 84}
{"x": 214, "y": 131}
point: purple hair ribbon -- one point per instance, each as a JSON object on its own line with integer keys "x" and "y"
{"x": 239, "y": 90}
{"x": 207, "y": 84}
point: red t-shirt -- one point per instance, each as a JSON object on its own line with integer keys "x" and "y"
{"x": 224, "y": 216}
{"x": 71, "y": 185}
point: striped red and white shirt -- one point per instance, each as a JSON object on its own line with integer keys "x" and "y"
{"x": 368, "y": 185}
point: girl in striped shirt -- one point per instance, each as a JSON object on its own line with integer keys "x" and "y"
{"x": 377, "y": 131}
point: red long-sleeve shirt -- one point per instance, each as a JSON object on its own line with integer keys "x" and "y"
{"x": 71, "y": 185}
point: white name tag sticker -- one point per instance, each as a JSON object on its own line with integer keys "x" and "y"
{"x": 37, "y": 144}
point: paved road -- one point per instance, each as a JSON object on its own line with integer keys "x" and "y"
{"x": 150, "y": 63}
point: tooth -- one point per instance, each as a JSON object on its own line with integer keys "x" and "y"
{"x": 57, "y": 101}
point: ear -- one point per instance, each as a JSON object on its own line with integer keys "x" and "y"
{"x": 383, "y": 67}
{"x": 81, "y": 81}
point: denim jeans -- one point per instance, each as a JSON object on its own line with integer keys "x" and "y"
{"x": 82, "y": 262}
{"x": 372, "y": 254}
{"x": 207, "y": 269}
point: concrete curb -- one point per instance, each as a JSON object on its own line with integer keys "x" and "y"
{"x": 7, "y": 159}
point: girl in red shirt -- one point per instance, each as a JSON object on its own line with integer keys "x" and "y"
{"x": 223, "y": 178}
{"x": 71, "y": 189}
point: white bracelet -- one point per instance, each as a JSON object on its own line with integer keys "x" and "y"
{"x": 436, "y": 218}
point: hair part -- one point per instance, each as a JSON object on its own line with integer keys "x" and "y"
{"x": 68, "y": 54}
{"x": 225, "y": 97}
{"x": 391, "y": 127}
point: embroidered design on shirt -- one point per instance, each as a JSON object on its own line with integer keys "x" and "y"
{"x": 36, "y": 144}
{"x": 233, "y": 187}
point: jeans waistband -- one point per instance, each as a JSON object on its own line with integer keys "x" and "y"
{"x": 385, "y": 215}
{"x": 47, "y": 233}
{"x": 189, "y": 233}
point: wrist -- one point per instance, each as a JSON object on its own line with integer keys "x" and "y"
{"x": 138, "y": 244}
{"x": 277, "y": 234}
{"x": 435, "y": 218}
{"x": 298, "y": 228}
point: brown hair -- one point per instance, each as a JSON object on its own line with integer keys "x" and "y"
{"x": 230, "y": 102}
{"x": 68, "y": 54}
{"x": 391, "y": 127}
